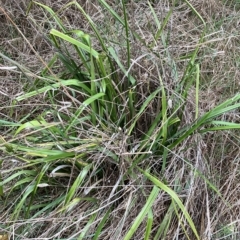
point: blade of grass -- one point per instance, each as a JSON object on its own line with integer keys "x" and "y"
{"x": 97, "y": 233}
{"x": 1, "y": 180}
{"x": 164, "y": 112}
{"x": 205, "y": 119}
{"x": 70, "y": 82}
{"x": 49, "y": 65}
{"x": 53, "y": 158}
{"x": 149, "y": 225}
{"x": 73, "y": 203}
{"x": 153, "y": 195}
{"x": 82, "y": 107}
{"x": 77, "y": 183}
{"x": 20, "y": 205}
{"x": 17, "y": 174}
{"x": 88, "y": 225}
{"x": 126, "y": 27}
{"x": 4, "y": 123}
{"x": 143, "y": 107}
{"x": 131, "y": 96}
{"x": 114, "y": 14}
{"x": 191, "y": 64}
{"x": 180, "y": 220}
{"x": 94, "y": 106}
{"x": 165, "y": 224}
{"x": 160, "y": 28}
{"x": 197, "y": 91}
{"x": 50, "y": 205}
{"x": 75, "y": 42}
{"x": 116, "y": 58}
{"x": 223, "y": 126}
{"x": 52, "y": 13}
{"x": 36, "y": 151}
{"x": 174, "y": 197}
{"x": 35, "y": 124}
{"x": 36, "y": 184}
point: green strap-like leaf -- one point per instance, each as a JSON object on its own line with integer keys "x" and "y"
{"x": 174, "y": 197}
{"x": 145, "y": 210}
{"x": 75, "y": 42}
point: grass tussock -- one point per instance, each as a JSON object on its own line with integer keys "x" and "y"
{"x": 119, "y": 120}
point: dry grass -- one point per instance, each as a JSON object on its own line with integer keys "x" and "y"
{"x": 216, "y": 155}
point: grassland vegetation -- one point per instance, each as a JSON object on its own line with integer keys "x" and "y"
{"x": 119, "y": 119}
